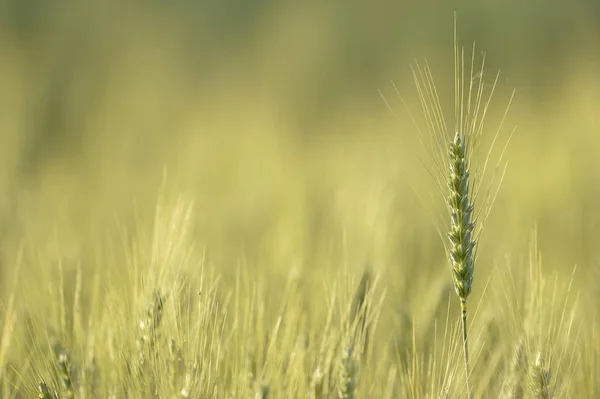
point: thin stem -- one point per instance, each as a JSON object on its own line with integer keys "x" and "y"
{"x": 463, "y": 307}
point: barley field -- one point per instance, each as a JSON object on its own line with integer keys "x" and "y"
{"x": 245, "y": 199}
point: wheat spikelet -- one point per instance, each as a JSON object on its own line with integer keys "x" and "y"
{"x": 359, "y": 312}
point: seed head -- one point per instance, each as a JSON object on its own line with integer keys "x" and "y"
{"x": 462, "y": 241}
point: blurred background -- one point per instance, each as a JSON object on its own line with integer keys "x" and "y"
{"x": 268, "y": 116}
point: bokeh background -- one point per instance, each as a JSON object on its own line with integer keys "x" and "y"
{"x": 268, "y": 116}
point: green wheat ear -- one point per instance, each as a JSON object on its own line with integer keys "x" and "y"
{"x": 462, "y": 240}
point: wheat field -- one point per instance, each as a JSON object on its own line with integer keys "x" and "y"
{"x": 252, "y": 200}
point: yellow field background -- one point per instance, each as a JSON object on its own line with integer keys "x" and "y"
{"x": 268, "y": 117}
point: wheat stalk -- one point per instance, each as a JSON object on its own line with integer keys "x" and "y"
{"x": 462, "y": 239}
{"x": 450, "y": 156}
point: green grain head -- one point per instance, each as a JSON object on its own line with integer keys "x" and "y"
{"x": 462, "y": 241}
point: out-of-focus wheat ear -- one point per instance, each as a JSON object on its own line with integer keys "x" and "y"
{"x": 251, "y": 367}
{"x": 149, "y": 326}
{"x": 262, "y": 392}
{"x": 147, "y": 341}
{"x": 44, "y": 392}
{"x": 348, "y": 375}
{"x": 359, "y": 311}
{"x": 513, "y": 387}
{"x": 91, "y": 377}
{"x": 192, "y": 375}
{"x": 360, "y": 298}
{"x": 540, "y": 378}
{"x": 177, "y": 363}
{"x": 77, "y": 324}
{"x": 316, "y": 384}
{"x": 65, "y": 372}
